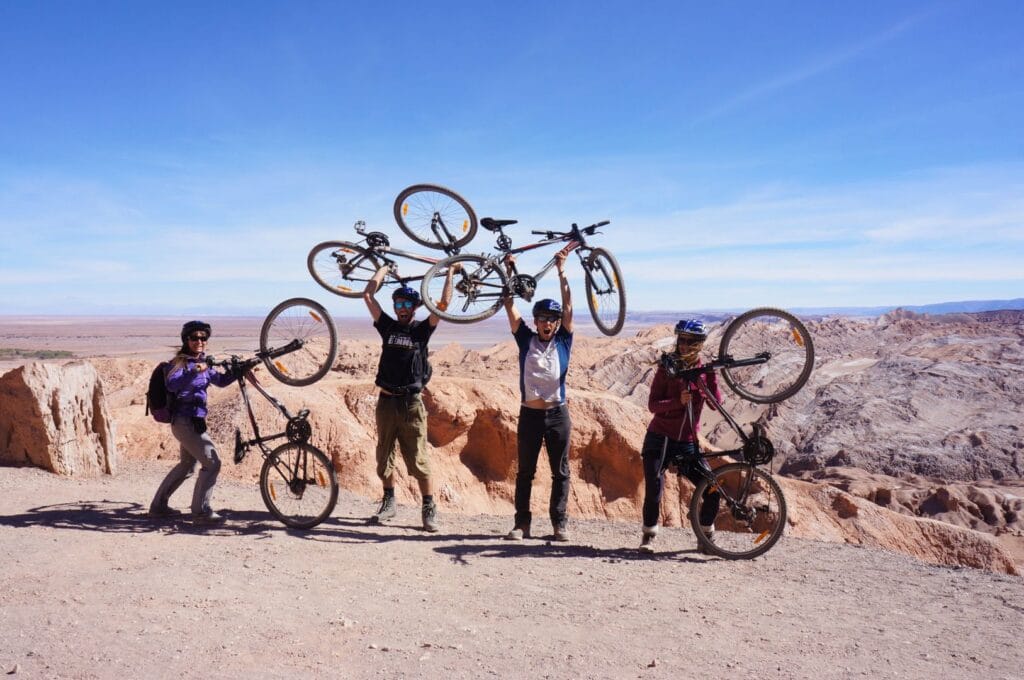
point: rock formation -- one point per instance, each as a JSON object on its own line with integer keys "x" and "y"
{"x": 55, "y": 417}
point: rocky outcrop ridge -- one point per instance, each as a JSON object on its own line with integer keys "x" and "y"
{"x": 55, "y": 417}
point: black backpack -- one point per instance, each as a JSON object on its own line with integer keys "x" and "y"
{"x": 159, "y": 400}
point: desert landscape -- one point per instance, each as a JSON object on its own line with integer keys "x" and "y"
{"x": 900, "y": 460}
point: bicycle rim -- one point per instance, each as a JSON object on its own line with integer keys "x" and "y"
{"x": 342, "y": 268}
{"x": 308, "y": 322}
{"x": 746, "y": 508}
{"x": 476, "y": 290}
{"x": 435, "y": 216}
{"x": 299, "y": 485}
{"x": 784, "y": 338}
{"x": 606, "y": 293}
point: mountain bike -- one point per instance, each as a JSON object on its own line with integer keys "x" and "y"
{"x": 776, "y": 356}
{"x": 483, "y": 281}
{"x": 297, "y": 481}
{"x": 343, "y": 267}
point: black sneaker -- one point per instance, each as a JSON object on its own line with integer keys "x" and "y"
{"x": 386, "y": 511}
{"x": 430, "y": 517}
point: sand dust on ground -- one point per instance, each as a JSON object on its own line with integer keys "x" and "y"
{"x": 91, "y": 588}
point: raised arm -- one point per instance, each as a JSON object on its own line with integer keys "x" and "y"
{"x": 372, "y": 286}
{"x": 564, "y": 285}
{"x": 446, "y": 293}
{"x": 514, "y": 319}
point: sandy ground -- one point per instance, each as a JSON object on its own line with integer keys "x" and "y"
{"x": 90, "y": 588}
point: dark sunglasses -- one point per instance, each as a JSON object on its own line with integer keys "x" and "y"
{"x": 548, "y": 319}
{"x": 404, "y": 304}
{"x": 199, "y": 338}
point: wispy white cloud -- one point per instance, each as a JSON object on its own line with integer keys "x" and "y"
{"x": 821, "y": 64}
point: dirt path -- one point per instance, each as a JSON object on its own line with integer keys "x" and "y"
{"x": 90, "y": 588}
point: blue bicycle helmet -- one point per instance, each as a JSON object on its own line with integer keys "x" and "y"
{"x": 407, "y": 293}
{"x": 547, "y": 307}
{"x": 693, "y": 328}
{"x": 193, "y": 326}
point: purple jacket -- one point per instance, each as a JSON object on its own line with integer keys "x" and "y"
{"x": 189, "y": 387}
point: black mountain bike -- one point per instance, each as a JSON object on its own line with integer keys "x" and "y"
{"x": 765, "y": 356}
{"x": 298, "y": 482}
{"x": 484, "y": 280}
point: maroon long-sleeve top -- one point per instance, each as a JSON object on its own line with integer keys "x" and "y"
{"x": 670, "y": 416}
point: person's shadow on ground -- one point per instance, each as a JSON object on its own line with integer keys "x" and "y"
{"x": 126, "y": 517}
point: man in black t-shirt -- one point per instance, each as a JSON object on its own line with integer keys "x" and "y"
{"x": 402, "y": 373}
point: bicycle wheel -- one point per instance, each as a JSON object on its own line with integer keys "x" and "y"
{"x": 476, "y": 289}
{"x": 341, "y": 267}
{"x": 308, "y": 322}
{"x": 784, "y": 338}
{"x": 606, "y": 294}
{"x": 299, "y": 485}
{"x": 746, "y": 508}
{"x": 435, "y": 216}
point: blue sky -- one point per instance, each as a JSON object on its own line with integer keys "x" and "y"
{"x": 183, "y": 157}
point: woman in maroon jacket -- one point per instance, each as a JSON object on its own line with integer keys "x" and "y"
{"x": 672, "y": 435}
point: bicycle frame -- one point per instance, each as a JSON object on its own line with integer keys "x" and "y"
{"x": 386, "y": 254}
{"x": 297, "y": 427}
{"x": 575, "y": 236}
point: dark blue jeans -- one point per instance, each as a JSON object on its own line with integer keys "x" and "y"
{"x": 658, "y": 453}
{"x": 550, "y": 427}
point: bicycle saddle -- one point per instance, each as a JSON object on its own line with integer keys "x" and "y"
{"x": 494, "y": 225}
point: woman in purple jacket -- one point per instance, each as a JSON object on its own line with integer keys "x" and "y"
{"x": 672, "y": 435}
{"x": 188, "y": 376}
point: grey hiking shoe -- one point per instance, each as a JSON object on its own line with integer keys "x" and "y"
{"x": 561, "y": 533}
{"x": 430, "y": 517}
{"x": 647, "y": 544}
{"x": 207, "y": 518}
{"x": 164, "y": 513}
{"x": 385, "y": 512}
{"x": 518, "y": 534}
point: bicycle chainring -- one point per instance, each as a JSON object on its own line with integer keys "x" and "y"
{"x": 758, "y": 450}
{"x": 524, "y": 286}
{"x": 298, "y": 430}
{"x": 376, "y": 239}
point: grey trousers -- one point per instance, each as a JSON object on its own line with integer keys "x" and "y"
{"x": 195, "y": 449}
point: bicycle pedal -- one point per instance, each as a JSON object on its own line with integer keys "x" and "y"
{"x": 240, "y": 449}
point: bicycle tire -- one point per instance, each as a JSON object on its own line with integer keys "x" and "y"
{"x": 341, "y": 267}
{"x": 417, "y": 206}
{"x": 476, "y": 291}
{"x": 305, "y": 320}
{"x": 748, "y": 530}
{"x": 299, "y": 485}
{"x": 781, "y": 334}
{"x": 607, "y": 302}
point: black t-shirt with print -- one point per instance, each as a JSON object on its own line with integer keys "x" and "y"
{"x": 403, "y": 357}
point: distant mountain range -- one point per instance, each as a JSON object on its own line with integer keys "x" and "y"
{"x": 965, "y": 306}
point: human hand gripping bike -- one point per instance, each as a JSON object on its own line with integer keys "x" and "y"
{"x": 298, "y": 344}
{"x": 483, "y": 281}
{"x": 765, "y": 356}
{"x": 430, "y": 215}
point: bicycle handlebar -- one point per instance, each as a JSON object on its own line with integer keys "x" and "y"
{"x": 592, "y": 229}
{"x": 725, "y": 361}
{"x": 236, "y": 363}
